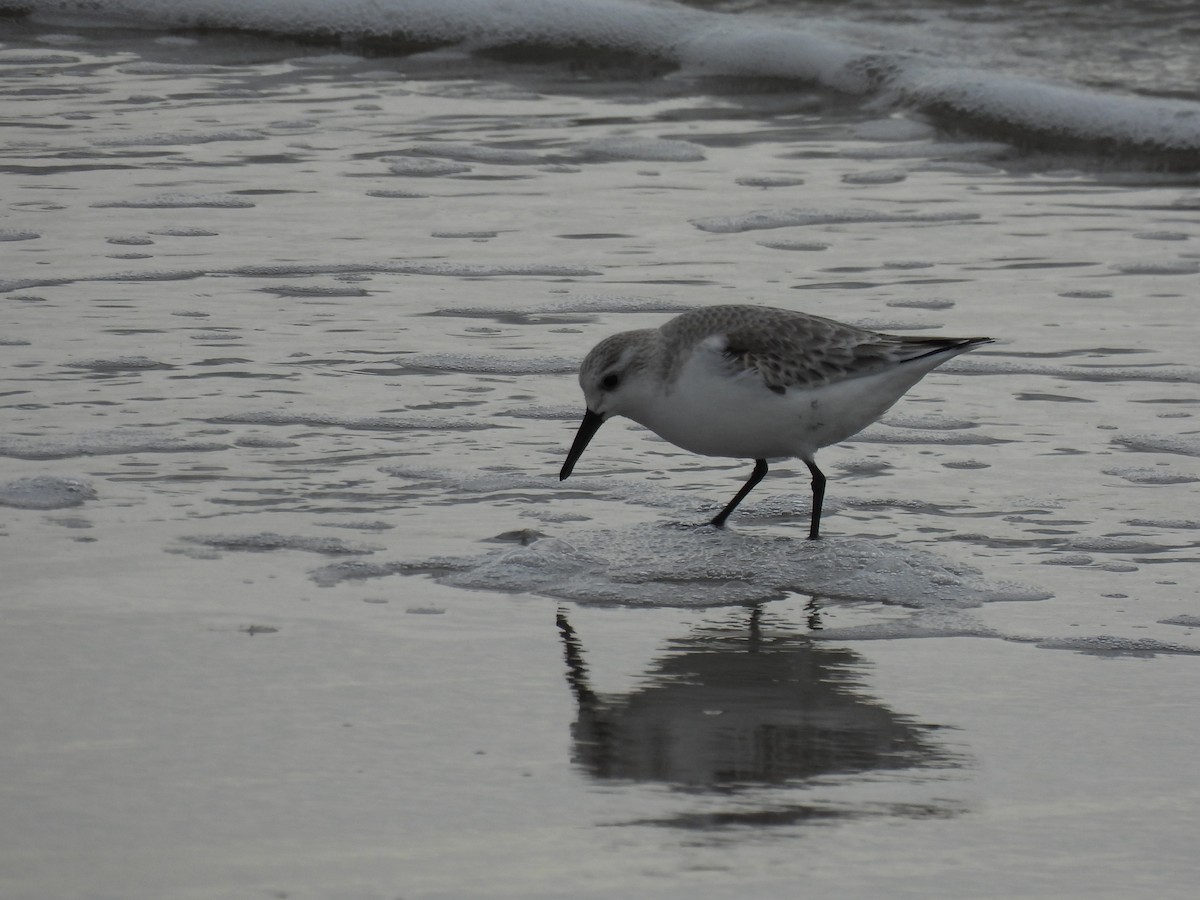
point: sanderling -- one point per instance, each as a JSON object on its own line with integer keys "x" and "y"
{"x": 752, "y": 382}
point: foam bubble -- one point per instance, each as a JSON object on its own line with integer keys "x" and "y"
{"x": 353, "y": 423}
{"x": 1151, "y": 373}
{"x": 305, "y": 290}
{"x": 770, "y": 181}
{"x": 490, "y": 364}
{"x": 45, "y": 492}
{"x": 1109, "y": 645}
{"x": 1185, "y": 621}
{"x": 160, "y": 68}
{"x": 642, "y": 148}
{"x": 1157, "y": 443}
{"x": 1160, "y": 267}
{"x": 654, "y": 565}
{"x": 119, "y": 364}
{"x": 885, "y": 434}
{"x": 1185, "y": 524}
{"x": 463, "y": 152}
{"x": 100, "y": 443}
{"x": 791, "y": 218}
{"x": 178, "y": 201}
{"x": 811, "y": 246}
{"x": 1161, "y": 236}
{"x": 957, "y": 152}
{"x": 269, "y": 540}
{"x": 921, "y": 304}
{"x": 878, "y": 176}
{"x": 185, "y": 232}
{"x": 1142, "y": 475}
{"x": 17, "y": 234}
{"x": 415, "y": 167}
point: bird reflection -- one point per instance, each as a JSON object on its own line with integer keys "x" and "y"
{"x": 729, "y": 707}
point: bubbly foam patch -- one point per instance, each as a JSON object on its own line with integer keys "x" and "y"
{"x": 45, "y": 492}
{"x": 353, "y": 423}
{"x": 178, "y": 201}
{"x": 1185, "y": 621}
{"x": 439, "y": 269}
{"x": 1183, "y": 445}
{"x": 416, "y": 167}
{"x": 169, "y": 138}
{"x": 100, "y": 443}
{"x": 464, "y": 152}
{"x": 268, "y": 540}
{"x": 17, "y": 234}
{"x": 1109, "y": 645}
{"x": 642, "y": 148}
{"x": 487, "y": 364}
{"x": 120, "y": 364}
{"x": 792, "y": 218}
{"x": 1144, "y": 475}
{"x": 666, "y": 565}
{"x": 1155, "y": 373}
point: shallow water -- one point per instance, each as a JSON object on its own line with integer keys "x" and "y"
{"x": 295, "y": 601}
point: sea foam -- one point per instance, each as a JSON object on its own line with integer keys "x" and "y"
{"x": 1003, "y": 105}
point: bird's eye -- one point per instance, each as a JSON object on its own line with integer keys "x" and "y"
{"x": 610, "y": 381}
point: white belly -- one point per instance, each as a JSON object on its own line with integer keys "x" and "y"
{"x": 708, "y": 412}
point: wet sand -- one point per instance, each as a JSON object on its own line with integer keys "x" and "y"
{"x": 295, "y": 604}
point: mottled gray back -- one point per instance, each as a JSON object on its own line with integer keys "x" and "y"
{"x": 794, "y": 349}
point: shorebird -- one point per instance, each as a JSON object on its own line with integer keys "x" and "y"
{"x": 754, "y": 382}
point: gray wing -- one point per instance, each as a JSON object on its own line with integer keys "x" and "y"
{"x": 787, "y": 349}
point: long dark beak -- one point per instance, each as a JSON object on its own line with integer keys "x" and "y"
{"x": 588, "y": 427}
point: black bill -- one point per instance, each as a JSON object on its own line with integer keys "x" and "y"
{"x": 588, "y": 427}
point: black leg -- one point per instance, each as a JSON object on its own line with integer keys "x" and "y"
{"x": 818, "y": 489}
{"x": 760, "y": 469}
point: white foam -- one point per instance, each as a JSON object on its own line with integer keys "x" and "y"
{"x": 45, "y": 492}
{"x": 656, "y": 565}
{"x": 1145, "y": 475}
{"x": 490, "y": 364}
{"x": 1159, "y": 267}
{"x": 17, "y": 234}
{"x": 269, "y": 540}
{"x": 100, "y": 443}
{"x": 1108, "y": 645}
{"x": 643, "y": 148}
{"x": 438, "y": 269}
{"x": 882, "y": 434}
{"x": 1184, "y": 620}
{"x": 353, "y": 423}
{"x": 1023, "y": 102}
{"x": 701, "y": 42}
{"x": 876, "y": 176}
{"x": 119, "y": 364}
{"x": 1185, "y": 524}
{"x": 178, "y": 201}
{"x": 1157, "y": 373}
{"x": 464, "y": 152}
{"x": 419, "y": 167}
{"x": 792, "y": 218}
{"x": 769, "y": 181}
{"x": 1183, "y": 445}
{"x": 158, "y": 68}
